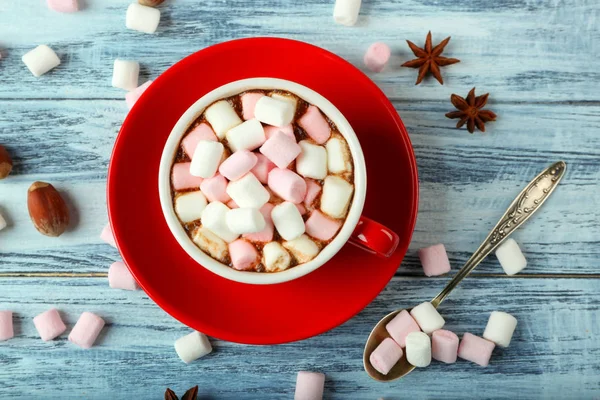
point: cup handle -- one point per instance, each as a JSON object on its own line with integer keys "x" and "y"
{"x": 374, "y": 237}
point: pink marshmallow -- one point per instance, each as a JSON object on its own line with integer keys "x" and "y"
{"x": 475, "y": 349}
{"x": 244, "y": 255}
{"x": 132, "y": 96}
{"x": 119, "y": 277}
{"x": 444, "y": 346}
{"x": 377, "y": 56}
{"x": 287, "y": 184}
{"x": 201, "y": 132}
{"x": 266, "y": 235}
{"x": 301, "y": 208}
{"x": 65, "y": 6}
{"x": 309, "y": 386}
{"x": 315, "y": 125}
{"x": 49, "y": 324}
{"x": 401, "y": 326}
{"x": 385, "y": 356}
{"x": 182, "y": 179}
{"x": 6, "y": 325}
{"x": 215, "y": 189}
{"x": 238, "y": 164}
{"x": 281, "y": 149}
{"x": 434, "y": 260}
{"x": 232, "y": 204}
{"x": 107, "y": 235}
{"x": 262, "y": 168}
{"x": 249, "y": 103}
{"x": 288, "y": 130}
{"x": 321, "y": 227}
{"x": 86, "y": 330}
{"x": 312, "y": 191}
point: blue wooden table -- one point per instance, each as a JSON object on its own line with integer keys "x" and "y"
{"x": 537, "y": 58}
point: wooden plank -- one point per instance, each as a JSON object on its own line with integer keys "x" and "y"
{"x": 554, "y": 352}
{"x": 520, "y": 51}
{"x": 467, "y": 181}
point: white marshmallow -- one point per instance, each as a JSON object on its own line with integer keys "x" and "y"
{"x": 336, "y": 196}
{"x": 500, "y": 328}
{"x": 510, "y": 256}
{"x": 214, "y": 218}
{"x": 211, "y": 244}
{"x": 245, "y": 220}
{"x": 248, "y": 192}
{"x": 274, "y": 112}
{"x": 207, "y": 158}
{"x": 302, "y": 248}
{"x": 193, "y": 346}
{"x": 338, "y": 156}
{"x": 189, "y": 206}
{"x": 428, "y": 318}
{"x": 142, "y": 18}
{"x": 249, "y": 135}
{"x": 41, "y": 60}
{"x": 418, "y": 349}
{"x": 312, "y": 161}
{"x": 287, "y": 220}
{"x": 346, "y": 12}
{"x": 222, "y": 117}
{"x": 275, "y": 257}
{"x": 125, "y": 74}
{"x": 286, "y": 97}
{"x": 2, "y": 222}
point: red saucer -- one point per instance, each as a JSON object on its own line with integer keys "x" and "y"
{"x": 240, "y": 312}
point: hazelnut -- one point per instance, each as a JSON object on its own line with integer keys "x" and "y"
{"x": 5, "y": 163}
{"x": 47, "y": 209}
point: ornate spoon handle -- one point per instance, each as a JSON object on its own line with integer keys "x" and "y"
{"x": 519, "y": 211}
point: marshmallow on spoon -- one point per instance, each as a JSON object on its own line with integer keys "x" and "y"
{"x": 142, "y": 18}
{"x": 86, "y": 330}
{"x": 249, "y": 100}
{"x": 401, "y": 326}
{"x": 6, "y": 325}
{"x": 248, "y": 192}
{"x": 222, "y": 117}
{"x": 346, "y": 12}
{"x": 475, "y": 349}
{"x": 428, "y": 318}
{"x": 181, "y": 177}
{"x": 418, "y": 349}
{"x": 238, "y": 164}
{"x": 245, "y": 220}
{"x": 303, "y": 249}
{"x": 321, "y": 227}
{"x": 249, "y": 135}
{"x": 315, "y": 125}
{"x": 287, "y": 184}
{"x": 309, "y": 386}
{"x": 189, "y": 206}
{"x": 312, "y": 161}
{"x": 215, "y": 189}
{"x": 125, "y": 74}
{"x": 193, "y": 346}
{"x": 510, "y": 256}
{"x": 287, "y": 220}
{"x": 214, "y": 218}
{"x": 444, "y": 346}
{"x": 281, "y": 149}
{"x": 41, "y": 60}
{"x": 385, "y": 356}
{"x": 201, "y": 132}
{"x": 434, "y": 260}
{"x": 274, "y": 112}
{"x": 64, "y": 6}
{"x": 119, "y": 277}
{"x": 206, "y": 159}
{"x": 339, "y": 158}
{"x": 336, "y": 196}
{"x": 266, "y": 234}
{"x": 275, "y": 257}
{"x": 377, "y": 56}
{"x": 210, "y": 244}
{"x": 500, "y": 328}
{"x": 49, "y": 324}
{"x": 132, "y": 96}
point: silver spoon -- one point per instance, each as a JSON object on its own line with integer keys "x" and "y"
{"x": 523, "y": 207}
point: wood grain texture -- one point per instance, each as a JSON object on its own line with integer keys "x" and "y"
{"x": 555, "y": 345}
{"x": 537, "y": 58}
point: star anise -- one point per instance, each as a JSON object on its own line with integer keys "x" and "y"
{"x": 191, "y": 394}
{"x": 470, "y": 111}
{"x": 429, "y": 59}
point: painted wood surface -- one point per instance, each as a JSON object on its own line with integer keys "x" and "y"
{"x": 537, "y": 58}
